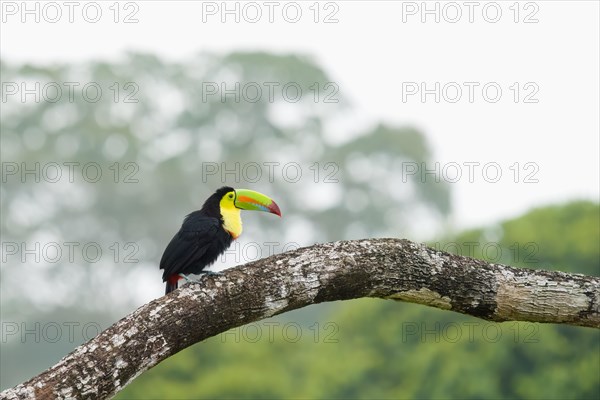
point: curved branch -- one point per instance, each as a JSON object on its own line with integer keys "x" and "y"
{"x": 385, "y": 268}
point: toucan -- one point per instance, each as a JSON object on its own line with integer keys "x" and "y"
{"x": 208, "y": 232}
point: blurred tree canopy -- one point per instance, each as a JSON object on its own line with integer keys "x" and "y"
{"x": 155, "y": 131}
{"x": 389, "y": 350}
{"x": 167, "y": 145}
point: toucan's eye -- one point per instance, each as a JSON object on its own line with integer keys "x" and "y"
{"x": 231, "y": 195}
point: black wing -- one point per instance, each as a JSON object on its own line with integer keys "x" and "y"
{"x": 192, "y": 248}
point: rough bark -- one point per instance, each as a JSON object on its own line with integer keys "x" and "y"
{"x": 383, "y": 268}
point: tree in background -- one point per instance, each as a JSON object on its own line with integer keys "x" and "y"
{"x": 156, "y": 132}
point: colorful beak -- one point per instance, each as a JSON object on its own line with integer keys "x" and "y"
{"x": 251, "y": 200}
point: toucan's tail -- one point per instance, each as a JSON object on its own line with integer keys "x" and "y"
{"x": 171, "y": 284}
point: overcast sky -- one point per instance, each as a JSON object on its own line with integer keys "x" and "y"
{"x": 543, "y": 56}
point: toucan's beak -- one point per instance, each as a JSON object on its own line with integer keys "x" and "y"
{"x": 251, "y": 200}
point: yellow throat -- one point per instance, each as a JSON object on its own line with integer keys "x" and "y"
{"x": 232, "y": 219}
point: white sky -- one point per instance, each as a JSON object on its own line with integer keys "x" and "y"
{"x": 370, "y": 52}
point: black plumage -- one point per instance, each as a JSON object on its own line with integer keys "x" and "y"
{"x": 199, "y": 242}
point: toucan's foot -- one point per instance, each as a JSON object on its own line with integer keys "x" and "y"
{"x": 210, "y": 273}
{"x": 205, "y": 273}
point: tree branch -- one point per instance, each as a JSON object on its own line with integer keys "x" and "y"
{"x": 385, "y": 268}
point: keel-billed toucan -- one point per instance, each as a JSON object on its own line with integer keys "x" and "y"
{"x": 208, "y": 232}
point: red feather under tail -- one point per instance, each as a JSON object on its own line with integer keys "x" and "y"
{"x": 172, "y": 283}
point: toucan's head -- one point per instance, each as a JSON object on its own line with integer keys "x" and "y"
{"x": 227, "y": 198}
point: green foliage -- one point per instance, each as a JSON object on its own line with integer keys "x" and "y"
{"x": 391, "y": 350}
{"x": 562, "y": 237}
